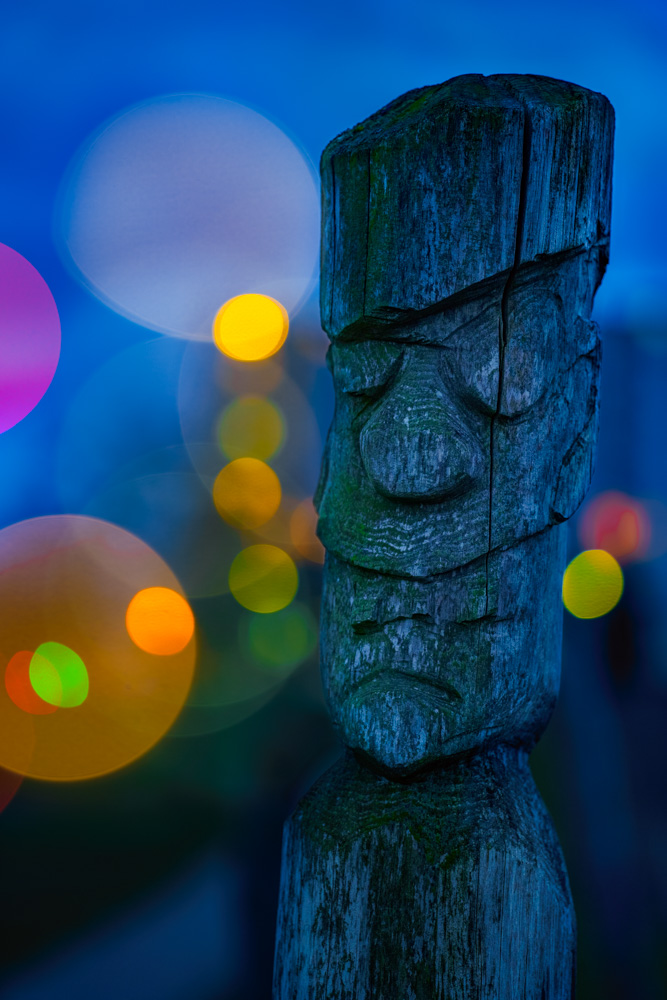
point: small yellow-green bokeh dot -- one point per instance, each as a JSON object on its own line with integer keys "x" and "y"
{"x": 251, "y": 427}
{"x": 279, "y": 642}
{"x": 592, "y": 584}
{"x": 263, "y": 578}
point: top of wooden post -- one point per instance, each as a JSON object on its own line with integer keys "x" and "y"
{"x": 453, "y": 185}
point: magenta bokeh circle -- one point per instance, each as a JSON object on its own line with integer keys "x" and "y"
{"x": 29, "y": 337}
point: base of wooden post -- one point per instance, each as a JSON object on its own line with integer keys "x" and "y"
{"x": 452, "y": 887}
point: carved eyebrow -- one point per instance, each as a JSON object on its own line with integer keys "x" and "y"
{"x": 435, "y": 329}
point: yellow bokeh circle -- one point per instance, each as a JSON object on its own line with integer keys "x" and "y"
{"x": 263, "y": 578}
{"x": 247, "y": 493}
{"x": 250, "y": 327}
{"x": 592, "y": 584}
{"x": 251, "y": 427}
{"x": 159, "y": 621}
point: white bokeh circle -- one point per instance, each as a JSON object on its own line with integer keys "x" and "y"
{"x": 182, "y": 202}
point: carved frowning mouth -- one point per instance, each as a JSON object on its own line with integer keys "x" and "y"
{"x": 438, "y": 683}
{"x": 394, "y": 676}
{"x": 400, "y": 669}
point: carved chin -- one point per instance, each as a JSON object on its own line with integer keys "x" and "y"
{"x": 404, "y": 724}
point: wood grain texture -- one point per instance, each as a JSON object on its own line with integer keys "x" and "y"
{"x": 425, "y": 195}
{"x": 465, "y": 232}
{"x": 431, "y": 194}
{"x": 568, "y": 173}
{"x": 450, "y": 888}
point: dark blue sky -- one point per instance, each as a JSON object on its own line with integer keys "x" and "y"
{"x": 314, "y": 69}
{"x": 317, "y": 69}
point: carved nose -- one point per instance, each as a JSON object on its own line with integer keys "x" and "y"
{"x": 417, "y": 447}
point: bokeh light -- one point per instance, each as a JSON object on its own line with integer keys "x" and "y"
{"x": 58, "y": 675}
{"x": 303, "y": 526}
{"x": 250, "y": 327}
{"x": 592, "y": 584}
{"x": 251, "y": 426}
{"x": 29, "y": 337}
{"x": 204, "y": 391}
{"x": 160, "y": 621}
{"x": 65, "y": 585}
{"x": 618, "y": 523}
{"x": 180, "y": 203}
{"x": 19, "y": 686}
{"x": 263, "y": 578}
{"x": 280, "y": 641}
{"x": 247, "y": 492}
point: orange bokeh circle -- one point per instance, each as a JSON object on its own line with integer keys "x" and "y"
{"x": 69, "y": 579}
{"x": 160, "y": 621}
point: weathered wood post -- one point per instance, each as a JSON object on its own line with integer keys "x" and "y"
{"x": 465, "y": 232}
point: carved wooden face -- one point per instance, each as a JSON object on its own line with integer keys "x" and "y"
{"x": 454, "y": 438}
{"x": 434, "y": 457}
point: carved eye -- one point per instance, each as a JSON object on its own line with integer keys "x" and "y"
{"x": 472, "y": 358}
{"x": 535, "y": 332}
{"x": 363, "y": 369}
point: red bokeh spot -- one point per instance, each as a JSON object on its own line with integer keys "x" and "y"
{"x": 19, "y": 688}
{"x": 617, "y": 523}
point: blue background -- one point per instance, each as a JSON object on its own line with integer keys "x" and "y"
{"x": 161, "y": 881}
